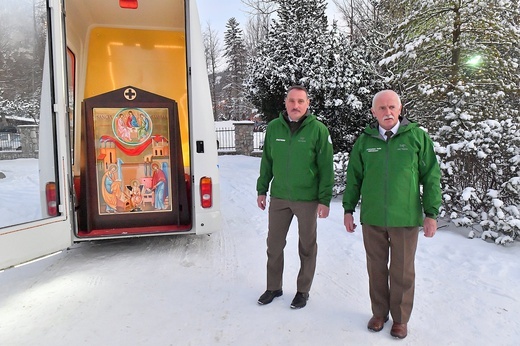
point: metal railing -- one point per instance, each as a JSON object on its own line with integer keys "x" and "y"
{"x": 10, "y": 141}
{"x": 225, "y": 138}
{"x": 258, "y": 140}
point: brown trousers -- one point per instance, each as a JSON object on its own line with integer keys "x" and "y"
{"x": 281, "y": 213}
{"x": 391, "y": 287}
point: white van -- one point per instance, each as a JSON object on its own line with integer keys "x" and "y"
{"x": 125, "y": 143}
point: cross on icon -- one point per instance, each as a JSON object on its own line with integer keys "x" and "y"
{"x": 130, "y": 94}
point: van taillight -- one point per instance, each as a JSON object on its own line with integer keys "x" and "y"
{"x": 206, "y": 194}
{"x": 50, "y": 194}
{"x": 131, "y": 4}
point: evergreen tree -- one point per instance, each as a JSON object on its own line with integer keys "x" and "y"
{"x": 347, "y": 88}
{"x": 236, "y": 105}
{"x": 292, "y": 54}
{"x": 302, "y": 49}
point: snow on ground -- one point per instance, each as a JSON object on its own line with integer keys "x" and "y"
{"x": 19, "y": 197}
{"x": 202, "y": 290}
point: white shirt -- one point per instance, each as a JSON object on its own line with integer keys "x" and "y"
{"x": 393, "y": 129}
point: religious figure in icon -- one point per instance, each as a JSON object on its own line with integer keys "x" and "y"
{"x": 132, "y": 127}
{"x": 111, "y": 188}
{"x": 159, "y": 186}
{"x": 136, "y": 198}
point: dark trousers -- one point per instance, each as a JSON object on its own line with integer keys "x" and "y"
{"x": 281, "y": 213}
{"x": 391, "y": 287}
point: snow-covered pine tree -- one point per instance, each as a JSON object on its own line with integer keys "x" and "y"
{"x": 347, "y": 89}
{"x": 236, "y": 106}
{"x": 302, "y": 49}
{"x": 456, "y": 64}
{"x": 292, "y": 54}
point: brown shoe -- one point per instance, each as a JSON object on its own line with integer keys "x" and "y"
{"x": 377, "y": 323}
{"x": 399, "y": 330}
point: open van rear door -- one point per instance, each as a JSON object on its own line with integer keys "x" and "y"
{"x": 35, "y": 202}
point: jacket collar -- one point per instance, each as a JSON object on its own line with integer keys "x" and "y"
{"x": 285, "y": 116}
{"x": 405, "y": 124}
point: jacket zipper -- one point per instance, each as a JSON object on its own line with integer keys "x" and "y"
{"x": 387, "y": 159}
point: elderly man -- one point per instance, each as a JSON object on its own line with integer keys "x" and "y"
{"x": 389, "y": 162}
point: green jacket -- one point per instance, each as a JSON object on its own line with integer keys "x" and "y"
{"x": 298, "y": 166}
{"x": 388, "y": 175}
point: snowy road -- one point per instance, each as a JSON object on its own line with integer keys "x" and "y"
{"x": 202, "y": 290}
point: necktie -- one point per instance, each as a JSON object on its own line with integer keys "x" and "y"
{"x": 388, "y": 134}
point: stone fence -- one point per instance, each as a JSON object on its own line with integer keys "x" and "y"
{"x": 244, "y": 138}
{"x": 245, "y": 142}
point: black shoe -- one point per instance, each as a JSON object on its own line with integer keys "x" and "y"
{"x": 300, "y": 300}
{"x": 268, "y": 296}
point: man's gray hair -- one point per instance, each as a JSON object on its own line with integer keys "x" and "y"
{"x": 385, "y": 91}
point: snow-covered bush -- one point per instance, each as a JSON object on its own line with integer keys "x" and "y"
{"x": 340, "y": 173}
{"x": 481, "y": 182}
{"x": 503, "y": 215}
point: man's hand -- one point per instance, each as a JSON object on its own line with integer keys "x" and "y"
{"x": 323, "y": 211}
{"x": 429, "y": 227}
{"x": 348, "y": 221}
{"x": 261, "y": 201}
